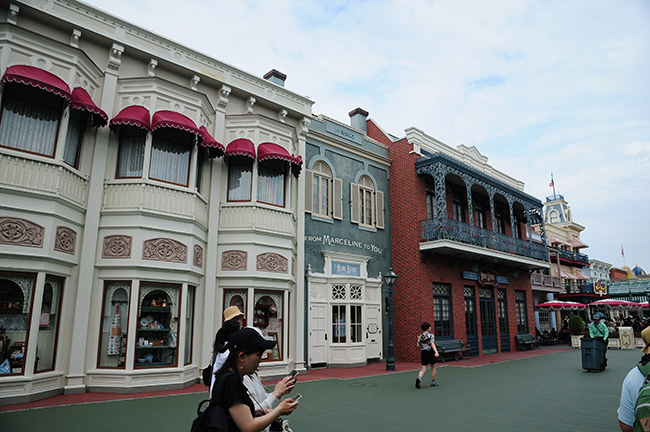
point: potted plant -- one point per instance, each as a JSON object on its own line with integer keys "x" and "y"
{"x": 576, "y": 328}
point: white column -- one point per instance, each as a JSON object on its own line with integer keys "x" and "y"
{"x": 81, "y": 354}
{"x": 298, "y": 308}
{"x": 211, "y": 302}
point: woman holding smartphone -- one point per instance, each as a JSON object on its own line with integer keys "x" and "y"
{"x": 246, "y": 348}
{"x": 262, "y": 400}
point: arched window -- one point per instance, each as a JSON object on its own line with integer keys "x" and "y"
{"x": 367, "y": 204}
{"x": 321, "y": 197}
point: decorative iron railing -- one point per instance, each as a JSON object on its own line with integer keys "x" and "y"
{"x": 433, "y": 229}
{"x": 574, "y": 257}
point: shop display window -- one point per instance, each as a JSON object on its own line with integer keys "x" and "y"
{"x": 16, "y": 292}
{"x": 114, "y": 325}
{"x": 158, "y": 326}
{"x": 48, "y": 328}
{"x": 269, "y": 318}
{"x": 236, "y": 298}
{"x": 189, "y": 324}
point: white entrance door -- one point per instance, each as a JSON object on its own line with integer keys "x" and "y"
{"x": 373, "y": 332}
{"x": 317, "y": 334}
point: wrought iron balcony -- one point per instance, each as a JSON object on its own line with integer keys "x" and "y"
{"x": 433, "y": 229}
{"x": 573, "y": 257}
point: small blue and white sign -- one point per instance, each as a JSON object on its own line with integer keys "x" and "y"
{"x": 346, "y": 269}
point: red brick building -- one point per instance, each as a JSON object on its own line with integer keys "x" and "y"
{"x": 462, "y": 245}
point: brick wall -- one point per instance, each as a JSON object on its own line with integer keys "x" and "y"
{"x": 417, "y": 271}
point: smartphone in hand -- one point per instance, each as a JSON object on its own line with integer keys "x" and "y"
{"x": 293, "y": 374}
{"x": 297, "y": 397}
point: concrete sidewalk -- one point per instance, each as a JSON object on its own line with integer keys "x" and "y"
{"x": 542, "y": 390}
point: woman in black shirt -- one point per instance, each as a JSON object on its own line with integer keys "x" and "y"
{"x": 246, "y": 348}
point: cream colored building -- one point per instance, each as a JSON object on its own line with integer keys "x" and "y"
{"x": 121, "y": 244}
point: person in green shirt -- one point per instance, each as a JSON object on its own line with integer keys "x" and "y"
{"x": 598, "y": 330}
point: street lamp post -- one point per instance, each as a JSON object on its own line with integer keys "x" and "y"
{"x": 389, "y": 279}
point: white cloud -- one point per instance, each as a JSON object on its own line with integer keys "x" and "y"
{"x": 537, "y": 86}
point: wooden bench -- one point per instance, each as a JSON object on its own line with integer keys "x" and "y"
{"x": 456, "y": 347}
{"x": 526, "y": 341}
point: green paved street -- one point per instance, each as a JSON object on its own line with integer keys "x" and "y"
{"x": 545, "y": 393}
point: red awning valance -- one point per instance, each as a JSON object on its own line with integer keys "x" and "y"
{"x": 296, "y": 166}
{"x": 241, "y": 147}
{"x": 133, "y": 115}
{"x": 81, "y": 100}
{"x": 215, "y": 148}
{"x": 174, "y": 120}
{"x": 268, "y": 151}
{"x": 37, "y": 77}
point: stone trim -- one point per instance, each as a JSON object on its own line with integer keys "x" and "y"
{"x": 272, "y": 262}
{"x": 66, "y": 240}
{"x": 21, "y": 232}
{"x": 117, "y": 246}
{"x": 234, "y": 260}
{"x": 164, "y": 249}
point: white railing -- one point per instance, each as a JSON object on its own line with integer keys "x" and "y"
{"x": 255, "y": 217}
{"x": 145, "y": 196}
{"x": 43, "y": 177}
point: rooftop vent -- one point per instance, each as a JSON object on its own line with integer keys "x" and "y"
{"x": 276, "y": 77}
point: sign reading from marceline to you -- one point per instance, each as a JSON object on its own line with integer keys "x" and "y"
{"x": 346, "y": 269}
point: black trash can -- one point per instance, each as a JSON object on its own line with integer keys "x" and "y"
{"x": 593, "y": 354}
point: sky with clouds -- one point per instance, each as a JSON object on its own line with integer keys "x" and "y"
{"x": 537, "y": 86}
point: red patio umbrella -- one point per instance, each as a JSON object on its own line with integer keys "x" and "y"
{"x": 616, "y": 304}
{"x": 560, "y": 305}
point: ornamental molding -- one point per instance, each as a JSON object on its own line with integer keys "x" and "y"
{"x": 234, "y": 260}
{"x": 117, "y": 246}
{"x": 164, "y": 249}
{"x": 197, "y": 258}
{"x": 66, "y": 240}
{"x": 21, "y": 232}
{"x": 272, "y": 262}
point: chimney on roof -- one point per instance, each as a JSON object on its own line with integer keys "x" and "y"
{"x": 276, "y": 77}
{"x": 358, "y": 119}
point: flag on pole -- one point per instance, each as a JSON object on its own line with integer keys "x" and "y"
{"x": 551, "y": 184}
{"x": 622, "y": 253}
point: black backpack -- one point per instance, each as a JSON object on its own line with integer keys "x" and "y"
{"x": 212, "y": 418}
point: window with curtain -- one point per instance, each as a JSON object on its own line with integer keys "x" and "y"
{"x": 131, "y": 152}
{"x": 170, "y": 156}
{"x": 240, "y": 175}
{"x": 270, "y": 183}
{"x": 74, "y": 137}
{"x": 30, "y": 119}
{"x": 322, "y": 175}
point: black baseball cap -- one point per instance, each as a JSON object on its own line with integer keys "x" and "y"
{"x": 248, "y": 337}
